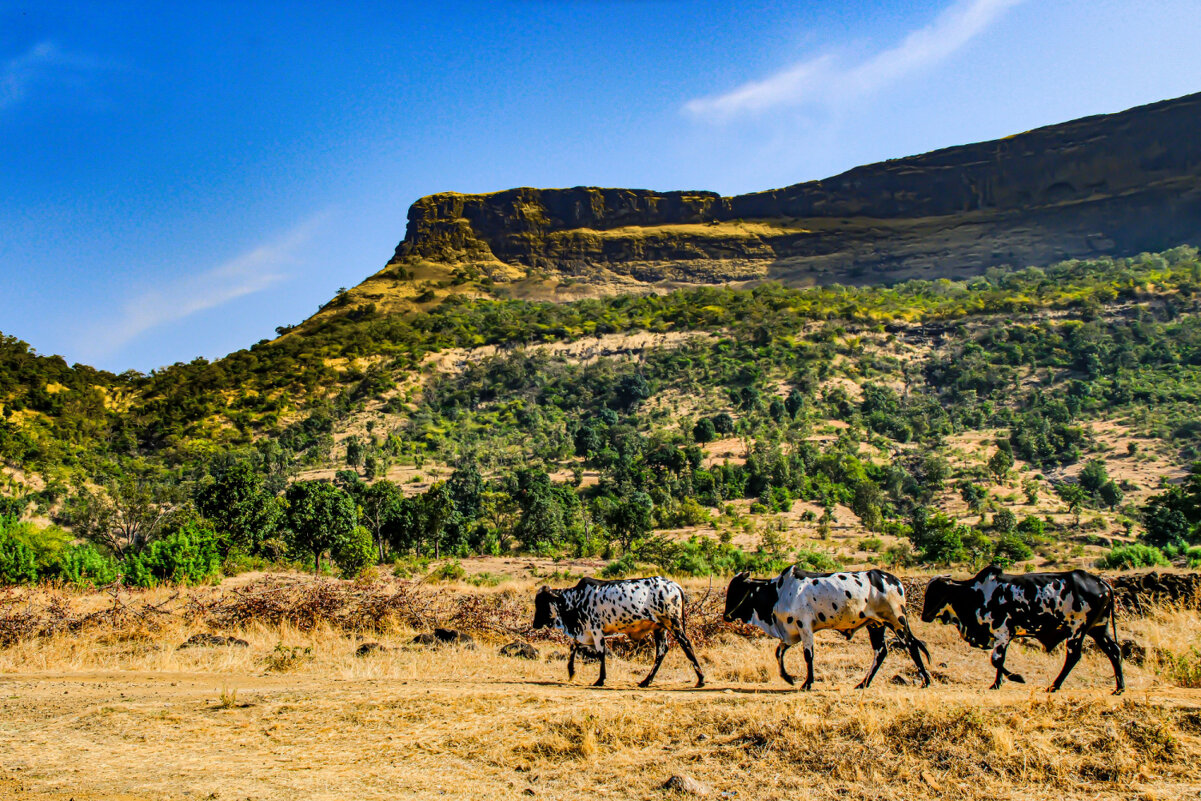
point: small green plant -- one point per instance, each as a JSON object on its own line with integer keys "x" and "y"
{"x": 447, "y": 571}
{"x": 485, "y": 579}
{"x": 1135, "y": 555}
{"x": 816, "y": 561}
{"x": 410, "y": 566}
{"x": 1181, "y": 668}
{"x": 285, "y": 658}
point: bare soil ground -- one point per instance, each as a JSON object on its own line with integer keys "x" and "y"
{"x": 104, "y": 715}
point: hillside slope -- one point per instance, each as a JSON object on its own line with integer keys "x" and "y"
{"x": 1114, "y": 184}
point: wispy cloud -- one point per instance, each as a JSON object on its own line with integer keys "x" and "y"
{"x": 250, "y": 272}
{"x": 44, "y": 64}
{"x": 824, "y": 81}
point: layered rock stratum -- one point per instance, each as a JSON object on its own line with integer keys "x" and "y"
{"x": 1113, "y": 184}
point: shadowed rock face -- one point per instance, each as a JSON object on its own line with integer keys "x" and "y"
{"x": 1112, "y": 184}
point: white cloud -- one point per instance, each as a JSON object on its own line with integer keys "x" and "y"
{"x": 43, "y": 64}
{"x": 250, "y": 272}
{"x": 824, "y": 81}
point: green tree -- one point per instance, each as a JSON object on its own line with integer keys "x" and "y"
{"x": 974, "y": 495}
{"x": 239, "y": 507}
{"x": 704, "y": 431}
{"x": 938, "y": 537}
{"x": 379, "y": 504}
{"x": 319, "y": 516}
{"x": 630, "y": 518}
{"x": 127, "y": 514}
{"x": 354, "y": 552}
{"x": 541, "y": 524}
{"x": 1004, "y": 521}
{"x": 1093, "y": 477}
{"x": 439, "y": 517}
{"x": 1000, "y": 463}
{"x": 1110, "y": 494}
{"x": 354, "y": 451}
{"x": 1075, "y": 497}
{"x": 723, "y": 423}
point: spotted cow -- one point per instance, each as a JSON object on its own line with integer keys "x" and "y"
{"x": 633, "y": 607}
{"x": 795, "y": 604}
{"x": 992, "y": 609}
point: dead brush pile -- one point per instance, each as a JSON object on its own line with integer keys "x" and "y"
{"x": 306, "y": 603}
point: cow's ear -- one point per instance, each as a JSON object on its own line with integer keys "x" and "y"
{"x": 743, "y": 575}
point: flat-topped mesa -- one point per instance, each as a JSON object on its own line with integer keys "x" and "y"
{"x": 1117, "y": 184}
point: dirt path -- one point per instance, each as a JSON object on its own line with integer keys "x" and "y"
{"x": 120, "y": 736}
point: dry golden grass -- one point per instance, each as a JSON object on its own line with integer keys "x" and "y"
{"x": 121, "y": 713}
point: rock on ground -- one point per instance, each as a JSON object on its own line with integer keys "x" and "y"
{"x": 519, "y": 649}
{"x": 687, "y": 785}
{"x": 212, "y": 641}
{"x": 445, "y": 637}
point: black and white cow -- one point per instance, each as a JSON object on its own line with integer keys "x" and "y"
{"x": 992, "y": 609}
{"x": 633, "y": 607}
{"x": 795, "y": 604}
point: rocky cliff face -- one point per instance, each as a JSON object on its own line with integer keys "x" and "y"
{"x": 1115, "y": 184}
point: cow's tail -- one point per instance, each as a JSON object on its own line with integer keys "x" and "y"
{"x": 1113, "y": 609}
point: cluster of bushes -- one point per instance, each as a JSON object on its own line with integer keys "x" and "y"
{"x": 29, "y": 554}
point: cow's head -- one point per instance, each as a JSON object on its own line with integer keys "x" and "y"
{"x": 546, "y": 607}
{"x": 940, "y": 594}
{"x": 744, "y": 597}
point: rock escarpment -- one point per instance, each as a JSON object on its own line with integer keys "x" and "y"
{"x": 1111, "y": 184}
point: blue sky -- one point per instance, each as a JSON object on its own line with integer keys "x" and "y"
{"x": 178, "y": 179}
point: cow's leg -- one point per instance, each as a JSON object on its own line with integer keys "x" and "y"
{"x": 1111, "y": 648}
{"x": 660, "y": 652}
{"x": 807, "y": 644}
{"x": 1074, "y": 647}
{"x": 781, "y": 649}
{"x": 599, "y": 639}
{"x": 915, "y": 648}
{"x": 998, "y": 661}
{"x": 571, "y": 660}
{"x": 876, "y": 633}
{"x": 677, "y": 631}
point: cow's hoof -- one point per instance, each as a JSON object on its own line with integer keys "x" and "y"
{"x": 861, "y": 685}
{"x": 806, "y": 687}
{"x": 598, "y": 683}
{"x": 1016, "y": 679}
{"x": 701, "y": 683}
{"x": 644, "y": 683}
{"x": 1052, "y": 689}
{"x": 996, "y": 685}
{"x": 788, "y": 678}
{"x": 1118, "y": 691}
{"x": 925, "y": 682}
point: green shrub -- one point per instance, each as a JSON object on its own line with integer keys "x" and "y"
{"x": 620, "y": 568}
{"x": 354, "y": 552}
{"x": 816, "y": 561}
{"x": 1181, "y": 669}
{"x": 447, "y": 571}
{"x": 485, "y": 579}
{"x": 1127, "y": 557}
{"x": 408, "y": 566}
{"x": 1010, "y": 548}
{"x": 84, "y": 566}
{"x": 17, "y": 562}
{"x": 186, "y": 556}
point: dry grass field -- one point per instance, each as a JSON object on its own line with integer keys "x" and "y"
{"x": 116, "y": 712}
